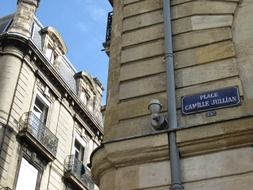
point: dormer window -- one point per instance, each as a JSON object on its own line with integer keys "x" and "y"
{"x": 53, "y": 44}
{"x": 90, "y": 102}
{"x": 89, "y": 91}
{"x": 50, "y": 54}
{"x": 84, "y": 97}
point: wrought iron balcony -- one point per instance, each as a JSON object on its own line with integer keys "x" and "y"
{"x": 77, "y": 174}
{"x": 36, "y": 135}
{"x": 109, "y": 27}
{"x": 106, "y": 44}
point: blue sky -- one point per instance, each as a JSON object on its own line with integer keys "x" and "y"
{"x": 82, "y": 24}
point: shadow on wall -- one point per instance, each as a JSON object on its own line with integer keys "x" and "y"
{"x": 242, "y": 37}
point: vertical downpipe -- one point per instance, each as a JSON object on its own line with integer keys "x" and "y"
{"x": 176, "y": 183}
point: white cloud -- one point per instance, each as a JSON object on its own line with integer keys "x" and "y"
{"x": 82, "y": 27}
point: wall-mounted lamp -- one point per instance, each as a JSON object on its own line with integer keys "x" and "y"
{"x": 157, "y": 121}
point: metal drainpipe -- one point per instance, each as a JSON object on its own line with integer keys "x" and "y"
{"x": 176, "y": 183}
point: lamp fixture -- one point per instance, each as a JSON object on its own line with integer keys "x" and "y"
{"x": 157, "y": 121}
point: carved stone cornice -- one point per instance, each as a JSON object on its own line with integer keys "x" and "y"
{"x": 32, "y": 2}
{"x": 154, "y": 147}
{"x": 122, "y": 153}
{"x": 215, "y": 137}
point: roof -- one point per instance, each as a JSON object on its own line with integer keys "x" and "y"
{"x": 64, "y": 67}
{"x": 5, "y": 22}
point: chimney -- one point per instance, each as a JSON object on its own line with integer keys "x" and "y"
{"x": 23, "y": 18}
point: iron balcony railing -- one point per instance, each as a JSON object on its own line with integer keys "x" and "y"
{"x": 35, "y": 127}
{"x": 109, "y": 27}
{"x": 77, "y": 169}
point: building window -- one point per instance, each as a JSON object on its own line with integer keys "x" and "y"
{"x": 40, "y": 114}
{"x": 50, "y": 54}
{"x": 40, "y": 108}
{"x": 79, "y": 150}
{"x": 83, "y": 97}
{"x": 27, "y": 177}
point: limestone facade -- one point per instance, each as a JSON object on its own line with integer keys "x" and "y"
{"x": 50, "y": 118}
{"x": 212, "y": 49}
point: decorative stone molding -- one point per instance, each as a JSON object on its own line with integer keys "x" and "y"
{"x": 45, "y": 90}
{"x": 125, "y": 153}
{"x": 32, "y": 2}
{"x": 51, "y": 36}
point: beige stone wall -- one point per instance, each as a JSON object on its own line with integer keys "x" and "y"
{"x": 146, "y": 166}
{"x": 204, "y": 55}
{"x": 212, "y": 46}
{"x": 219, "y": 170}
{"x": 242, "y": 32}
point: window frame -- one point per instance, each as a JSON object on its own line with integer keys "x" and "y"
{"x": 44, "y": 101}
{"x": 36, "y": 162}
{"x": 52, "y": 55}
{"x": 82, "y": 142}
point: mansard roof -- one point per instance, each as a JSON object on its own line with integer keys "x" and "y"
{"x": 5, "y": 22}
{"x": 64, "y": 69}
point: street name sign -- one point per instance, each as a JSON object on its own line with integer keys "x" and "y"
{"x": 205, "y": 101}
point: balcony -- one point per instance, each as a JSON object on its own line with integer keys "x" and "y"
{"x": 107, "y": 42}
{"x": 37, "y": 136}
{"x": 77, "y": 174}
